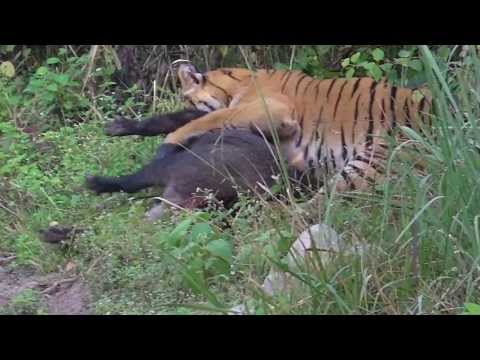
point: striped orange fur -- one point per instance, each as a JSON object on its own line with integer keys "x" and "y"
{"x": 334, "y": 126}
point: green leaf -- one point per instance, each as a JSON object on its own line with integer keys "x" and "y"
{"x": 386, "y": 67}
{"x": 201, "y": 231}
{"x": 403, "y": 61}
{"x": 443, "y": 53}
{"x": 416, "y": 65}
{"x": 472, "y": 309}
{"x": 404, "y": 54}
{"x": 194, "y": 278}
{"x": 350, "y": 73}
{"x": 221, "y": 248}
{"x": 7, "y": 69}
{"x": 354, "y": 59}
{"x": 345, "y": 63}
{"x": 201, "y": 216}
{"x": 363, "y": 64}
{"x": 217, "y": 265}
{"x": 375, "y": 71}
{"x": 53, "y": 60}
{"x": 378, "y": 54}
{"x": 62, "y": 79}
{"x": 180, "y": 231}
{"x": 41, "y": 71}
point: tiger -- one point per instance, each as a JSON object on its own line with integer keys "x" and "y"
{"x": 337, "y": 127}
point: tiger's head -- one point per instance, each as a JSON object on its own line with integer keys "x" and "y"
{"x": 212, "y": 90}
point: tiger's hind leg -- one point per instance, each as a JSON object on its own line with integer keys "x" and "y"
{"x": 361, "y": 173}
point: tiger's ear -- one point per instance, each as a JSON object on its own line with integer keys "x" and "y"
{"x": 189, "y": 76}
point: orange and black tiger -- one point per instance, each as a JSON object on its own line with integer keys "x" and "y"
{"x": 334, "y": 126}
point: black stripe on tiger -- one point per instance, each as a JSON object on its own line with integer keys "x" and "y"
{"x": 355, "y": 87}
{"x": 370, "y": 163}
{"x": 230, "y": 74}
{"x": 207, "y": 105}
{"x": 315, "y": 127}
{"x": 299, "y": 142}
{"x": 421, "y": 111}
{"x": 331, "y": 87}
{"x": 376, "y": 155}
{"x": 360, "y": 172}
{"x": 344, "y": 145}
{"x": 286, "y": 81}
{"x": 369, "y": 137}
{"x": 299, "y": 82}
{"x": 320, "y": 148}
{"x": 332, "y": 154}
{"x": 393, "y": 98}
{"x": 305, "y": 153}
{"x": 406, "y": 110}
{"x": 355, "y": 118}
{"x": 382, "y": 113}
{"x": 317, "y": 90}
{"x": 421, "y": 107}
{"x": 348, "y": 180}
{"x": 285, "y": 73}
{"x": 319, "y": 119}
{"x": 338, "y": 98}
{"x": 308, "y": 85}
{"x": 218, "y": 87}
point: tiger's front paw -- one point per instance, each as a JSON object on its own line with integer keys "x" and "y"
{"x": 121, "y": 127}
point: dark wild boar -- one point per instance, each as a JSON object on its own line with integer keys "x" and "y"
{"x": 224, "y": 162}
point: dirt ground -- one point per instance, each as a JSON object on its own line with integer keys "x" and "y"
{"x": 60, "y": 294}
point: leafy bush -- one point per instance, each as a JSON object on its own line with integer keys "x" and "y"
{"x": 56, "y": 89}
{"x": 204, "y": 251}
{"x": 26, "y": 302}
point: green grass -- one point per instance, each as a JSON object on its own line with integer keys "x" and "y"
{"x": 422, "y": 229}
{"x": 26, "y": 302}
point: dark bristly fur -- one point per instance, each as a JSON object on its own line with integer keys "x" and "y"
{"x": 155, "y": 125}
{"x": 219, "y": 161}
